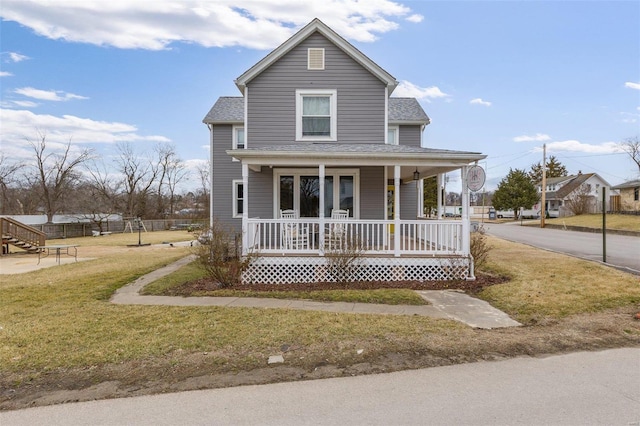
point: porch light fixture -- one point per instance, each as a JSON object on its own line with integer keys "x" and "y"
{"x": 416, "y": 175}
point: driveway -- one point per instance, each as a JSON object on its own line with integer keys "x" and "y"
{"x": 623, "y": 251}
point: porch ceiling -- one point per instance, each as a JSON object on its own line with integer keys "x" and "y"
{"x": 427, "y": 161}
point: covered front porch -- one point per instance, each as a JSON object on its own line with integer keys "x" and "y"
{"x": 393, "y": 239}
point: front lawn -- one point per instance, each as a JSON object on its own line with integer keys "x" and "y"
{"x": 59, "y": 333}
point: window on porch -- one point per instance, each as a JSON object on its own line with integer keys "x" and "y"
{"x": 301, "y": 191}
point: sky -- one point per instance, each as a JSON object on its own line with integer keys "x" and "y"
{"x": 497, "y": 77}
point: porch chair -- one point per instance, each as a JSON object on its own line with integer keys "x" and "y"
{"x": 338, "y": 230}
{"x": 293, "y": 234}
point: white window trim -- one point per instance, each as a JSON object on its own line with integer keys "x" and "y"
{"x": 333, "y": 97}
{"x": 234, "y": 137}
{"x": 396, "y": 130}
{"x": 234, "y": 201}
{"x": 296, "y": 173}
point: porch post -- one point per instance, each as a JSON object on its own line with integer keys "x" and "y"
{"x": 420, "y": 201}
{"x": 321, "y": 174}
{"x": 439, "y": 180}
{"x": 245, "y": 208}
{"x": 466, "y": 226}
{"x": 396, "y": 211}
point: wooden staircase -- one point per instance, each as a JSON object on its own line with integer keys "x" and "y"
{"x": 20, "y": 235}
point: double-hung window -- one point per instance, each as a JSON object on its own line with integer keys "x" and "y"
{"x": 316, "y": 117}
{"x": 392, "y": 135}
{"x": 238, "y": 138}
{"x": 238, "y": 198}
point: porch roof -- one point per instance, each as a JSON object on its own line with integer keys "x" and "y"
{"x": 428, "y": 161}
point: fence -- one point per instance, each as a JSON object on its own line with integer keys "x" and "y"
{"x": 85, "y": 229}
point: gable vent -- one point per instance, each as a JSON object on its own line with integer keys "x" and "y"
{"x": 315, "y": 59}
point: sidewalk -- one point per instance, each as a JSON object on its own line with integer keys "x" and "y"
{"x": 446, "y": 304}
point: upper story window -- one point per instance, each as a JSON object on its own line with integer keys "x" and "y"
{"x": 315, "y": 58}
{"x": 392, "y": 135}
{"x": 316, "y": 117}
{"x": 238, "y": 139}
{"x": 636, "y": 193}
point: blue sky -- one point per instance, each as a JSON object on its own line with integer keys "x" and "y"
{"x": 501, "y": 78}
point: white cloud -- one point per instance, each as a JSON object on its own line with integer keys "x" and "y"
{"x": 25, "y": 104}
{"x": 479, "y": 101}
{"x": 17, "y": 57}
{"x": 18, "y": 126}
{"x": 538, "y": 137}
{"x": 577, "y": 146}
{"x": 5, "y": 74}
{"x": 47, "y": 95}
{"x": 415, "y": 18}
{"x": 154, "y": 25}
{"x": 410, "y": 90}
{"x": 631, "y": 85}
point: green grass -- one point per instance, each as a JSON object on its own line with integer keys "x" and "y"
{"x": 59, "y": 318}
{"x": 168, "y": 284}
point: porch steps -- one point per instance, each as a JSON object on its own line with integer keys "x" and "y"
{"x": 22, "y": 236}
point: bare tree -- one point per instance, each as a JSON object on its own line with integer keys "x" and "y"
{"x": 580, "y": 201}
{"x": 632, "y": 147}
{"x": 138, "y": 175}
{"x": 8, "y": 175}
{"x": 56, "y": 173}
{"x": 170, "y": 172}
{"x": 204, "y": 191}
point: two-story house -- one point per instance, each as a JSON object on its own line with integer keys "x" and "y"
{"x": 314, "y": 150}
{"x": 582, "y": 192}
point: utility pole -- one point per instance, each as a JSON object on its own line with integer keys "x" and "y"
{"x": 543, "y": 200}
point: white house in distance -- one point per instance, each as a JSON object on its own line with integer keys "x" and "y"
{"x": 562, "y": 191}
{"x": 315, "y": 153}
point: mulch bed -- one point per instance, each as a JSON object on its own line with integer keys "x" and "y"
{"x": 481, "y": 281}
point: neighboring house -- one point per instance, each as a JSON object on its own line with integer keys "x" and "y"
{"x": 316, "y": 131}
{"x": 629, "y": 196}
{"x": 567, "y": 195}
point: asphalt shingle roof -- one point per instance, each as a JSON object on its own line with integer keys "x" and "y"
{"x": 227, "y": 109}
{"x": 355, "y": 148}
{"x": 408, "y": 110}
{"x": 629, "y": 184}
{"x": 230, "y": 109}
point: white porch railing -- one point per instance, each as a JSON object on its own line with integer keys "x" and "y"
{"x": 306, "y": 236}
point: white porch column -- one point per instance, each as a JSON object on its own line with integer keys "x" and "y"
{"x": 439, "y": 180}
{"x": 245, "y": 209}
{"x": 396, "y": 211}
{"x": 420, "y": 200}
{"x": 321, "y": 174}
{"x": 466, "y": 225}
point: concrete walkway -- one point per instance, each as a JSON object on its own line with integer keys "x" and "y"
{"x": 446, "y": 304}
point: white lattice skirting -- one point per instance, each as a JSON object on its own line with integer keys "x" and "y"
{"x": 291, "y": 270}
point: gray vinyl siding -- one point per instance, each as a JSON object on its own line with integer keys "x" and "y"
{"x": 225, "y": 170}
{"x": 372, "y": 193}
{"x": 409, "y": 135}
{"x": 272, "y": 96}
{"x": 261, "y": 193}
{"x": 408, "y": 197}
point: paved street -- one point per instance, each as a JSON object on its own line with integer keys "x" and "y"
{"x": 586, "y": 388}
{"x": 622, "y": 251}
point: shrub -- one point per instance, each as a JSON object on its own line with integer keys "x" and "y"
{"x": 479, "y": 247}
{"x": 342, "y": 257}
{"x": 220, "y": 255}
